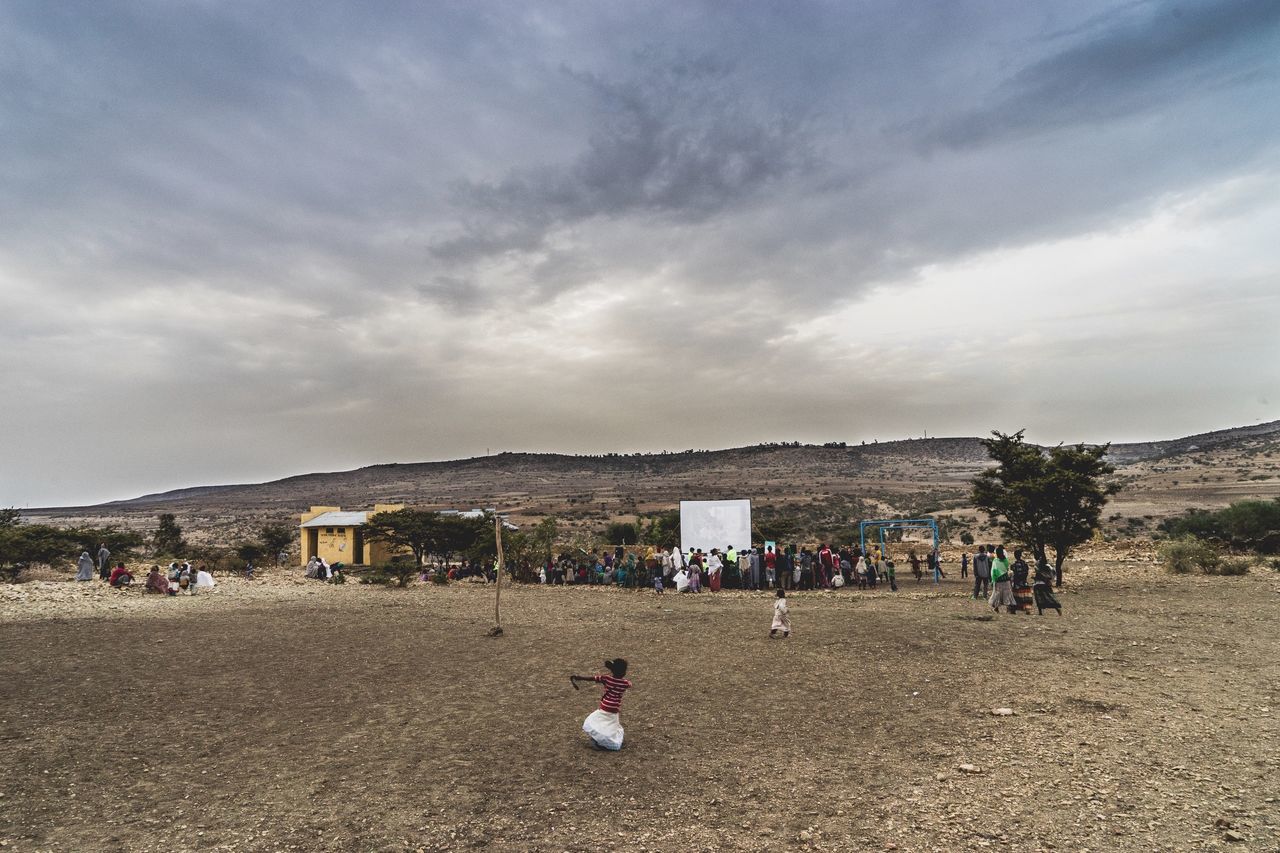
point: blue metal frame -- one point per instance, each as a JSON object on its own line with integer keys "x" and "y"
{"x": 883, "y": 524}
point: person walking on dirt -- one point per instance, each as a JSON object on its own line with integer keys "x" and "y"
{"x": 781, "y": 616}
{"x": 1002, "y": 583}
{"x": 981, "y": 573}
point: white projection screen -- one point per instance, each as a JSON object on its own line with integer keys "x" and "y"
{"x": 715, "y": 524}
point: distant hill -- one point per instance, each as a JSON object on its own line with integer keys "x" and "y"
{"x": 824, "y": 485}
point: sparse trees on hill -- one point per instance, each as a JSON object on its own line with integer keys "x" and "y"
{"x": 1045, "y": 498}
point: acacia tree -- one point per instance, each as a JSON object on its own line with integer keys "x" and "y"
{"x": 1045, "y": 498}
{"x": 167, "y": 538}
{"x": 276, "y": 538}
{"x": 24, "y": 544}
{"x": 424, "y": 532}
{"x": 415, "y": 529}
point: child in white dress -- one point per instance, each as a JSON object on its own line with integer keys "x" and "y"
{"x": 781, "y": 616}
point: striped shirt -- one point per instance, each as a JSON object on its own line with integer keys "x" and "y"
{"x": 611, "y": 701}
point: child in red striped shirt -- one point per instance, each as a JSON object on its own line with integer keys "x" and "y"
{"x": 603, "y": 725}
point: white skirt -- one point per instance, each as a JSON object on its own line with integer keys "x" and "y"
{"x": 604, "y": 728}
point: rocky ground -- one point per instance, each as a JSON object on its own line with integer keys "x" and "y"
{"x": 283, "y": 715}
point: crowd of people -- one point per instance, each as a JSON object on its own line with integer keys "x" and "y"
{"x": 1003, "y": 583}
{"x": 180, "y": 578}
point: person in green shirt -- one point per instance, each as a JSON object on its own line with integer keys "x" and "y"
{"x": 1002, "y": 583}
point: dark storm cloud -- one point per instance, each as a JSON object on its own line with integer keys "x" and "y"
{"x": 242, "y": 240}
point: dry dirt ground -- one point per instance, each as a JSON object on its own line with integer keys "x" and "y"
{"x": 288, "y": 716}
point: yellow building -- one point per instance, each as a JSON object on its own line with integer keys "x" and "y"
{"x": 336, "y": 536}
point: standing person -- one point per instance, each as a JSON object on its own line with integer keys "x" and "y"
{"x": 1002, "y": 583}
{"x": 1021, "y": 587}
{"x": 1045, "y": 599}
{"x": 964, "y": 565}
{"x": 822, "y": 574}
{"x": 770, "y": 566}
{"x": 784, "y": 569}
{"x": 104, "y": 564}
{"x": 695, "y": 571}
{"x": 935, "y": 563}
{"x": 981, "y": 573}
{"x": 753, "y": 569}
{"x": 84, "y": 567}
{"x": 781, "y": 616}
{"x": 890, "y": 574}
{"x": 860, "y": 572}
{"x": 603, "y": 725}
{"x": 678, "y": 563}
{"x": 714, "y": 567}
{"x": 806, "y": 568}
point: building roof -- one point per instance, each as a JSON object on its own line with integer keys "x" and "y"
{"x": 337, "y": 519}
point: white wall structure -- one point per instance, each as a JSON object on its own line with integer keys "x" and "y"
{"x": 715, "y": 524}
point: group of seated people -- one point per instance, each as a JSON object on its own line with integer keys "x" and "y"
{"x": 181, "y": 578}
{"x": 318, "y": 569}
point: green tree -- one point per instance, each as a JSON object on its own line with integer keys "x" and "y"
{"x": 661, "y": 528}
{"x": 621, "y": 533}
{"x": 121, "y": 543}
{"x": 22, "y": 545}
{"x": 276, "y": 538}
{"x": 414, "y": 529}
{"x": 168, "y": 539}
{"x": 250, "y": 552}
{"x": 1045, "y": 498}
{"x": 542, "y": 538}
{"x": 424, "y": 532}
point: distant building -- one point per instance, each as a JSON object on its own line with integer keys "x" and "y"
{"x": 336, "y": 536}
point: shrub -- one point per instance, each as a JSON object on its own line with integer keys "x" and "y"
{"x": 1235, "y": 565}
{"x": 1188, "y": 554}
{"x": 377, "y": 577}
{"x": 966, "y": 538}
{"x": 402, "y": 568}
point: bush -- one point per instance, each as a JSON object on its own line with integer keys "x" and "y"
{"x": 402, "y": 568}
{"x": 966, "y": 538}
{"x": 1188, "y": 554}
{"x": 1235, "y": 565}
{"x": 377, "y": 577}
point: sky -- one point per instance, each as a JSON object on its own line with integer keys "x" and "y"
{"x": 245, "y": 240}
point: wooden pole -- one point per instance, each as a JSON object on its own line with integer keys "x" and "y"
{"x": 496, "y": 630}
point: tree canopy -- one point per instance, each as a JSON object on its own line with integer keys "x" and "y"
{"x": 425, "y": 532}
{"x": 1045, "y": 498}
{"x": 21, "y": 545}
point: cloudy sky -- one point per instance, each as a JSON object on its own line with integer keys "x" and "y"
{"x": 245, "y": 240}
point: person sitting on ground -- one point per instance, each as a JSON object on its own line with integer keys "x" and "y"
{"x": 204, "y": 580}
{"x": 604, "y": 725}
{"x": 158, "y": 583}
{"x": 120, "y": 576}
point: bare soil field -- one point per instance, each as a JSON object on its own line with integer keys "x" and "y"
{"x": 287, "y": 716}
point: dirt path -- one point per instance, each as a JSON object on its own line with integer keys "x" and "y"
{"x": 293, "y": 717}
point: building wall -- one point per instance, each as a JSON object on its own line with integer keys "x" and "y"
{"x": 338, "y": 544}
